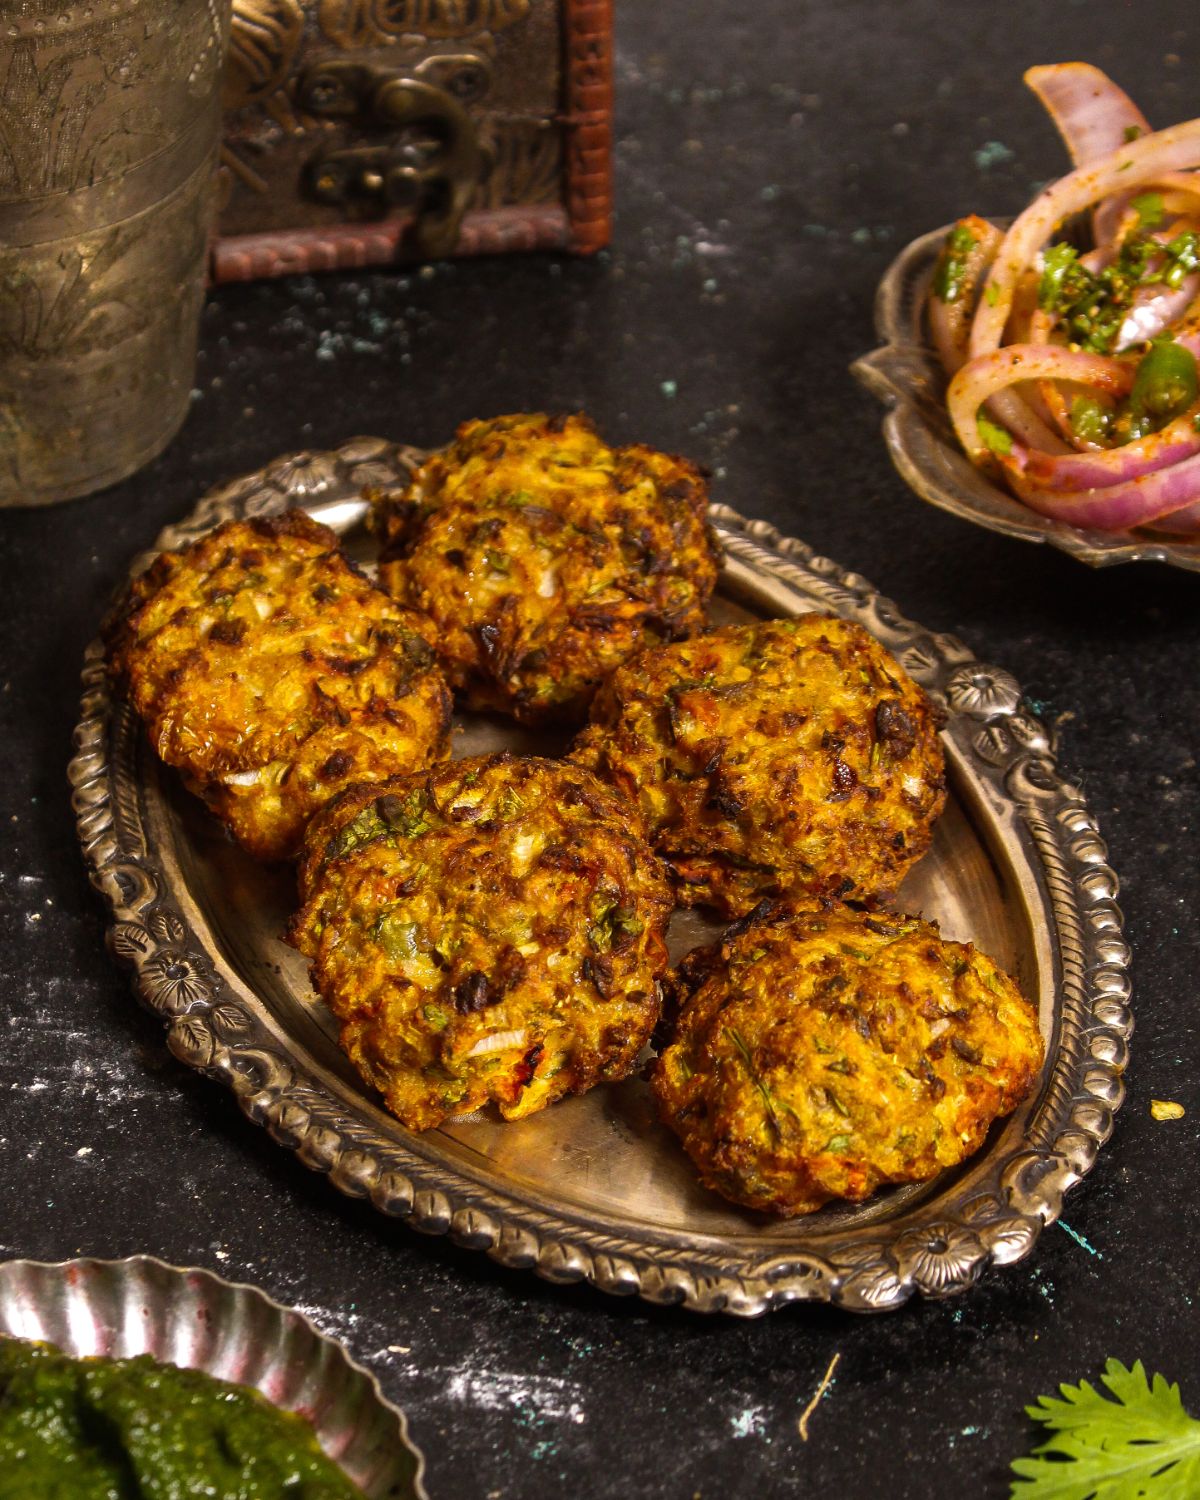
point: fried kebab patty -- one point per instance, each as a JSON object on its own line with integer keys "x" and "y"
{"x": 820, "y": 1053}
{"x": 492, "y": 929}
{"x": 273, "y": 675}
{"x": 546, "y": 558}
{"x": 789, "y": 757}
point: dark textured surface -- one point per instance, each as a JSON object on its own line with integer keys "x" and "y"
{"x": 770, "y": 160}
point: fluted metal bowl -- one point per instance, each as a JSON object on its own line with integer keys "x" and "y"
{"x": 193, "y": 1318}
{"x": 907, "y": 376}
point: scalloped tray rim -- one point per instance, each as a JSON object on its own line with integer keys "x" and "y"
{"x": 1009, "y": 752}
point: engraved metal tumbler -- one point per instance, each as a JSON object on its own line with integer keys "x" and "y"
{"x": 109, "y": 126}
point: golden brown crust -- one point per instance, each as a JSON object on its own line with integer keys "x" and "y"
{"x": 545, "y": 558}
{"x": 492, "y": 929}
{"x": 272, "y": 674}
{"x": 783, "y": 758}
{"x": 820, "y": 1053}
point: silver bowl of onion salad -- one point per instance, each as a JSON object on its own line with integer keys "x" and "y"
{"x": 1042, "y": 374}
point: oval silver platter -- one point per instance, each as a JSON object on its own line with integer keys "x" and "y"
{"x": 595, "y": 1188}
{"x": 907, "y": 376}
{"x": 191, "y": 1317}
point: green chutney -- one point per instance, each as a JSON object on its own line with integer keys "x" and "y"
{"x": 134, "y": 1429}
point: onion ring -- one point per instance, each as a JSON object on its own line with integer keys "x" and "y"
{"x": 950, "y": 322}
{"x": 1165, "y": 150}
{"x": 1119, "y": 507}
{"x": 986, "y": 374}
{"x": 1094, "y": 117}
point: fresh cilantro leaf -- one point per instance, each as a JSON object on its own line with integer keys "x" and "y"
{"x": 1142, "y": 1445}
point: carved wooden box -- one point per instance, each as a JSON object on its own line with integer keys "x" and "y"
{"x": 365, "y": 132}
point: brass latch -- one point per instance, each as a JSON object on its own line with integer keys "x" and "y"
{"x": 430, "y": 163}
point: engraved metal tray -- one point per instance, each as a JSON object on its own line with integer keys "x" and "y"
{"x": 193, "y": 1318}
{"x": 907, "y": 376}
{"x": 595, "y": 1188}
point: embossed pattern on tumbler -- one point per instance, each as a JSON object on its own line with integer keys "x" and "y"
{"x": 109, "y": 116}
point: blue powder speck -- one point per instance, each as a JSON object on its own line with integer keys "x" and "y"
{"x": 993, "y": 154}
{"x": 1079, "y": 1239}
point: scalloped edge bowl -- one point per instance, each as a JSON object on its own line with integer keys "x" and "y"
{"x": 906, "y": 375}
{"x": 185, "y": 1315}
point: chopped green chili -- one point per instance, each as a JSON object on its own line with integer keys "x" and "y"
{"x": 951, "y": 270}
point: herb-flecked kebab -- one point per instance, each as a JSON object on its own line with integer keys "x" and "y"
{"x": 490, "y": 930}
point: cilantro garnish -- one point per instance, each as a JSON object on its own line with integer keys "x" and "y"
{"x": 404, "y": 815}
{"x": 1093, "y": 306}
{"x": 1140, "y": 1445}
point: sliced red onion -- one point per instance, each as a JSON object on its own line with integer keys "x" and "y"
{"x": 1090, "y": 112}
{"x": 1094, "y": 117}
{"x": 1119, "y": 507}
{"x": 949, "y": 326}
{"x": 1184, "y": 522}
{"x": 1121, "y": 171}
{"x": 981, "y": 379}
{"x": 1096, "y": 261}
{"x": 1058, "y": 400}
{"x": 1025, "y": 423}
{"x": 1026, "y": 415}
{"x": 1154, "y": 309}
{"x": 1177, "y": 441}
{"x": 1055, "y": 397}
{"x": 1030, "y": 383}
{"x": 1025, "y": 312}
